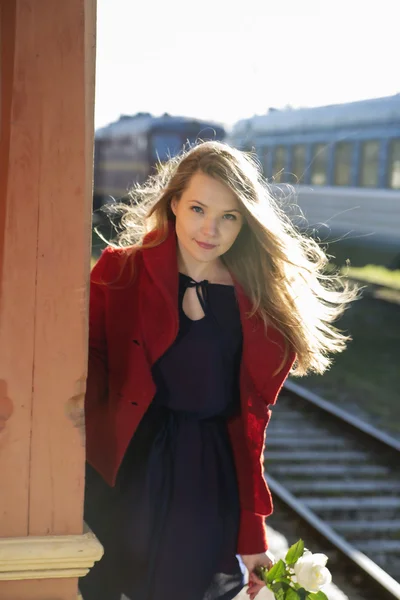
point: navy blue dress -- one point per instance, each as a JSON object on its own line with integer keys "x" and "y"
{"x": 169, "y": 527}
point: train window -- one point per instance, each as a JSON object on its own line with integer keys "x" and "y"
{"x": 299, "y": 162}
{"x": 319, "y": 164}
{"x": 369, "y": 164}
{"x": 394, "y": 165}
{"x": 279, "y": 164}
{"x": 343, "y": 160}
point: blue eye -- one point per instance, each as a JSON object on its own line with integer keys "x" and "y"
{"x": 197, "y": 209}
{"x": 230, "y": 217}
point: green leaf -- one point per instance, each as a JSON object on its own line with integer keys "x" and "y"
{"x": 284, "y": 580}
{"x": 291, "y": 594}
{"x": 279, "y": 590}
{"x": 278, "y": 570}
{"x": 297, "y": 586}
{"x": 280, "y": 594}
{"x": 294, "y": 552}
{"x": 279, "y": 583}
{"x": 317, "y": 596}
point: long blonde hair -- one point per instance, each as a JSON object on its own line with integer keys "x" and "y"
{"x": 283, "y": 272}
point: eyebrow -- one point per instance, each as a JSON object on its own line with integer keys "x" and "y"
{"x": 227, "y": 211}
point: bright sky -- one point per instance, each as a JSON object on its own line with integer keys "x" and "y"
{"x": 229, "y": 59}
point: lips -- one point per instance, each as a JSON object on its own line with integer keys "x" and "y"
{"x": 205, "y": 246}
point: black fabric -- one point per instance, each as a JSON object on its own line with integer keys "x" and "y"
{"x": 169, "y": 527}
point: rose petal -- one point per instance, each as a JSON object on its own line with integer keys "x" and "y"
{"x": 319, "y": 559}
{"x": 327, "y": 576}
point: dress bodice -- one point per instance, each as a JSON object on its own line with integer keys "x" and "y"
{"x": 199, "y": 373}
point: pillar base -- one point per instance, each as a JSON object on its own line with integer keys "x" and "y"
{"x": 48, "y": 557}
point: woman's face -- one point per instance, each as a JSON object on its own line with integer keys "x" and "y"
{"x": 208, "y": 218}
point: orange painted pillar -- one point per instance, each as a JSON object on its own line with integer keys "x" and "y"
{"x": 47, "y": 53}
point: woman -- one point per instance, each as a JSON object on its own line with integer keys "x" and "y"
{"x": 194, "y": 325}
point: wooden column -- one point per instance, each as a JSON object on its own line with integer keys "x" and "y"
{"x": 47, "y": 51}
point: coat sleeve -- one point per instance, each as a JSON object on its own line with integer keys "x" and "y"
{"x": 252, "y": 537}
{"x": 248, "y": 448}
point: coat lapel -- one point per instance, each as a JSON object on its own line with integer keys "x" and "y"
{"x": 162, "y": 264}
{"x": 262, "y": 352}
{"x": 159, "y": 295}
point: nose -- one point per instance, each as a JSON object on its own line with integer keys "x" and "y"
{"x": 210, "y": 227}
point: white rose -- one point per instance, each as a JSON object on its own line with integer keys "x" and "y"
{"x": 311, "y": 572}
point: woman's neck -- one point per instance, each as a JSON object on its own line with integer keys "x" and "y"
{"x": 198, "y": 270}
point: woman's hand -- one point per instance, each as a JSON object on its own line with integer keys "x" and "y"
{"x": 251, "y": 562}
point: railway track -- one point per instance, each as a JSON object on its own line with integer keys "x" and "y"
{"x": 341, "y": 476}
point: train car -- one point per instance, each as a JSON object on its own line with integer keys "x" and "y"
{"x": 344, "y": 163}
{"x": 127, "y": 150}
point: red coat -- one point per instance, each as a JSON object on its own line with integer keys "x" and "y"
{"x": 132, "y": 324}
